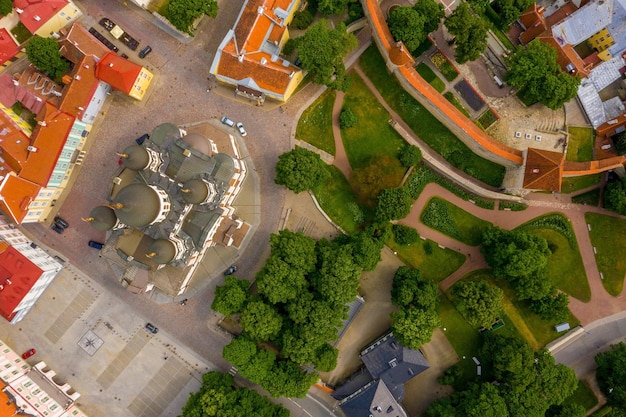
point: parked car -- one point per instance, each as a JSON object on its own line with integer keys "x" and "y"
{"x": 28, "y": 353}
{"x": 60, "y": 222}
{"x": 231, "y": 270}
{"x": 241, "y": 129}
{"x": 152, "y": 328}
{"x": 95, "y": 245}
{"x": 145, "y": 51}
{"x": 141, "y": 139}
{"x": 57, "y": 228}
{"x": 227, "y": 121}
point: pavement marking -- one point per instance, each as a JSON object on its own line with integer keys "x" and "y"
{"x": 161, "y": 390}
{"x": 122, "y": 360}
{"x": 70, "y": 315}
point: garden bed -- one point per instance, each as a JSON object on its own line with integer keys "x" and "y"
{"x": 453, "y": 221}
{"x": 430, "y": 77}
{"x": 449, "y": 95}
{"x": 487, "y": 119}
{"x": 444, "y": 66}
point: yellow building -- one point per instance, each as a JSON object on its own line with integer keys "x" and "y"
{"x": 601, "y": 42}
{"x": 46, "y": 17}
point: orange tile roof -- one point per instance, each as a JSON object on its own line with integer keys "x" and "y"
{"x": 13, "y": 143}
{"x": 49, "y": 141}
{"x": 17, "y": 193}
{"x": 561, "y": 14}
{"x": 78, "y": 93}
{"x": 593, "y": 167}
{"x": 7, "y": 407}
{"x": 269, "y": 77}
{"x": 76, "y": 42}
{"x": 532, "y": 16}
{"x": 543, "y": 170}
{"x": 119, "y": 72}
{"x": 37, "y": 12}
{"x": 8, "y": 47}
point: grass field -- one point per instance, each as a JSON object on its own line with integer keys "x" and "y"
{"x": 453, "y": 221}
{"x": 435, "y": 263}
{"x": 425, "y": 125}
{"x": 449, "y": 95}
{"x": 339, "y": 202}
{"x": 582, "y": 396}
{"x": 573, "y": 184}
{"x": 430, "y": 76}
{"x": 464, "y": 338}
{"x": 580, "y": 144}
{"x": 610, "y": 251}
{"x": 590, "y": 198}
{"x": 316, "y": 123}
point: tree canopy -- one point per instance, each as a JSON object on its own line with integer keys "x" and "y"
{"x": 260, "y": 320}
{"x": 300, "y": 170}
{"x": 410, "y": 289}
{"x": 393, "y": 204}
{"x": 322, "y": 49}
{"x": 6, "y": 7}
{"x": 479, "y": 302}
{"x": 230, "y": 297}
{"x": 328, "y": 7}
{"x": 407, "y": 25}
{"x": 44, "y": 54}
{"x": 611, "y": 375}
{"x": 413, "y": 327}
{"x": 432, "y": 11}
{"x": 218, "y": 397}
{"x": 469, "y": 31}
{"x": 615, "y": 196}
{"x": 534, "y": 70}
{"x": 183, "y": 13}
{"x": 509, "y": 10}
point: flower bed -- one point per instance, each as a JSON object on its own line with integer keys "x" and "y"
{"x": 487, "y": 119}
{"x": 443, "y": 65}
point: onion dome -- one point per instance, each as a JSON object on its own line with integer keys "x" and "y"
{"x": 102, "y": 218}
{"x": 162, "y": 251}
{"x": 198, "y": 142}
{"x": 137, "y": 205}
{"x": 195, "y": 191}
{"x": 135, "y": 157}
{"x": 164, "y": 133}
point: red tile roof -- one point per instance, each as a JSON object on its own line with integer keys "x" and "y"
{"x": 76, "y": 42}
{"x": 78, "y": 93}
{"x": 13, "y": 144}
{"x": 49, "y": 141}
{"x": 8, "y": 46}
{"x": 37, "y": 12}
{"x": 543, "y": 170}
{"x": 17, "y": 194}
{"x": 17, "y": 276}
{"x": 119, "y": 72}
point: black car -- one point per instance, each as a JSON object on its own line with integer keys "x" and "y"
{"x": 95, "y": 245}
{"x": 57, "y": 228}
{"x": 61, "y": 223}
{"x": 145, "y": 51}
{"x": 141, "y": 139}
{"x": 152, "y": 328}
{"x": 230, "y": 270}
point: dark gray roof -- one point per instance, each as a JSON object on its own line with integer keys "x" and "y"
{"x": 353, "y": 309}
{"x": 197, "y": 225}
{"x": 373, "y": 400}
{"x": 356, "y": 381}
{"x": 395, "y": 364}
{"x": 185, "y": 162}
{"x": 165, "y": 133}
{"x": 139, "y": 205}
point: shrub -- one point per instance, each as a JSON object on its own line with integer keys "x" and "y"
{"x": 347, "y": 118}
{"x": 410, "y": 155}
{"x": 404, "y": 235}
{"x": 393, "y": 204}
{"x": 290, "y": 46}
{"x": 428, "y": 247}
{"x": 302, "y": 19}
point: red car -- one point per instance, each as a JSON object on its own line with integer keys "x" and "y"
{"x": 28, "y": 353}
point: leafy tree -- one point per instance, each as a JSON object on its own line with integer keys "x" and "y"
{"x": 611, "y": 375}
{"x": 328, "y": 7}
{"x": 365, "y": 250}
{"x": 261, "y": 321}
{"x": 322, "y": 50}
{"x": 404, "y": 235}
{"x": 532, "y": 287}
{"x": 337, "y": 276}
{"x": 347, "y": 118}
{"x": 302, "y": 19}
{"x": 552, "y": 307}
{"x": 566, "y": 410}
{"x": 470, "y": 32}
{"x": 393, "y": 204}
{"x": 511, "y": 359}
{"x": 44, "y": 54}
{"x": 278, "y": 282}
{"x": 410, "y": 155}
{"x": 414, "y": 327}
{"x": 183, "y": 13}
{"x": 239, "y": 351}
{"x": 535, "y": 71}
{"x": 442, "y": 407}
{"x": 409, "y": 289}
{"x": 289, "y": 380}
{"x": 230, "y": 297}
{"x": 295, "y": 248}
{"x": 482, "y": 400}
{"x": 6, "y": 7}
{"x": 326, "y": 358}
{"x": 509, "y": 10}
{"x": 615, "y": 196}
{"x": 407, "y": 25}
{"x": 478, "y": 302}
{"x": 432, "y": 11}
{"x": 300, "y": 170}
{"x": 514, "y": 254}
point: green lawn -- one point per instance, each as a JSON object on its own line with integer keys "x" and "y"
{"x": 610, "y": 250}
{"x": 430, "y": 76}
{"x": 372, "y": 137}
{"x": 453, "y": 221}
{"x": 425, "y": 125}
{"x": 582, "y": 396}
{"x": 580, "y": 144}
{"x": 464, "y": 338}
{"x": 21, "y": 33}
{"x": 449, "y": 95}
{"x": 316, "y": 123}
{"x": 486, "y": 119}
{"x": 339, "y": 202}
{"x": 573, "y": 184}
{"x": 435, "y": 263}
{"x": 591, "y": 198}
